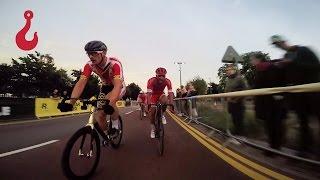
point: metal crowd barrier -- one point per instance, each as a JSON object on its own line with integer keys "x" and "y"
{"x": 210, "y": 111}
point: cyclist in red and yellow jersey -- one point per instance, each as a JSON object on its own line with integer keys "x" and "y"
{"x": 109, "y": 69}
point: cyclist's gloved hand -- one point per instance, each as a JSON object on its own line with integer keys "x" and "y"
{"x": 65, "y": 107}
{"x": 108, "y": 109}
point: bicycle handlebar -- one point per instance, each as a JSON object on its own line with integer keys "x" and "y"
{"x": 93, "y": 102}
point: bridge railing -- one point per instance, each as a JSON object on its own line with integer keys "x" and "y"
{"x": 211, "y": 111}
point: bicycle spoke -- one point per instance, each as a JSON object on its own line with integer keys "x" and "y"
{"x": 82, "y": 141}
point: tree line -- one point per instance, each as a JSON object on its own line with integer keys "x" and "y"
{"x": 36, "y": 75}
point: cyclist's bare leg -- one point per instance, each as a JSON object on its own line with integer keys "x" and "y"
{"x": 143, "y": 108}
{"x": 100, "y": 116}
{"x": 140, "y": 104}
{"x": 151, "y": 114}
{"x": 163, "y": 99}
{"x": 115, "y": 115}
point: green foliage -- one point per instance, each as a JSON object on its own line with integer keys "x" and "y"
{"x": 132, "y": 91}
{"x": 222, "y": 78}
{"x": 212, "y": 88}
{"x": 200, "y": 85}
{"x": 38, "y": 73}
{"x": 76, "y": 74}
{"x": 6, "y": 73}
{"x": 92, "y": 86}
{"x": 247, "y": 70}
{"x": 221, "y": 120}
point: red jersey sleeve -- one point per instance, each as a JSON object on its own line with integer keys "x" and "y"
{"x": 169, "y": 86}
{"x": 116, "y": 71}
{"x": 149, "y": 85}
{"x": 86, "y": 71}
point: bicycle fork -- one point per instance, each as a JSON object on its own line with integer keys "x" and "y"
{"x": 90, "y": 153}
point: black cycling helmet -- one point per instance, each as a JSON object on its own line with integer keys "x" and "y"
{"x": 95, "y": 46}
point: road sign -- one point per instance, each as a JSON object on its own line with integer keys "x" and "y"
{"x": 231, "y": 56}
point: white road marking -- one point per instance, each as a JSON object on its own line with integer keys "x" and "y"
{"x": 129, "y": 112}
{"x": 45, "y": 119}
{"x": 27, "y": 148}
{"x": 40, "y": 120}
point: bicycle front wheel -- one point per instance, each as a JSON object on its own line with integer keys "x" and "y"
{"x": 160, "y": 136}
{"x": 161, "y": 139}
{"x": 82, "y": 154}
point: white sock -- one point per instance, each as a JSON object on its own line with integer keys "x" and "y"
{"x": 115, "y": 124}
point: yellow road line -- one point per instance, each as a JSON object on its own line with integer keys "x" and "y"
{"x": 217, "y": 149}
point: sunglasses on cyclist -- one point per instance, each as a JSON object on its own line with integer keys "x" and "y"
{"x": 93, "y": 53}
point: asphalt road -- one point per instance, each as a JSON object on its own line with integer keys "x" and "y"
{"x": 137, "y": 157}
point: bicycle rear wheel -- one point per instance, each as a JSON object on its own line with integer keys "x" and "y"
{"x": 115, "y": 141}
{"x": 81, "y": 155}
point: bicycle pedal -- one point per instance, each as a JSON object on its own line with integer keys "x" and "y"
{"x": 105, "y": 143}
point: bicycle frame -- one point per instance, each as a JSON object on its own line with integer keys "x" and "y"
{"x": 90, "y": 132}
{"x": 157, "y": 117}
{"x": 92, "y": 122}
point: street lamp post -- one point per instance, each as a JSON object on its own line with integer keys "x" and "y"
{"x": 180, "y": 63}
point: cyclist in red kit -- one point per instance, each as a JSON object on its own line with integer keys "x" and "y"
{"x": 156, "y": 86}
{"x": 109, "y": 69}
{"x": 142, "y": 100}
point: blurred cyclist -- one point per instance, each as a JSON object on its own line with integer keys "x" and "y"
{"x": 142, "y": 100}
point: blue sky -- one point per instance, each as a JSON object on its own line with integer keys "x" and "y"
{"x": 149, "y": 33}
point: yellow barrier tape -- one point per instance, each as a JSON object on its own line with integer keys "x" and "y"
{"x": 45, "y": 107}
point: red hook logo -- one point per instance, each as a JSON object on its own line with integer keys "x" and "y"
{"x": 21, "y": 41}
